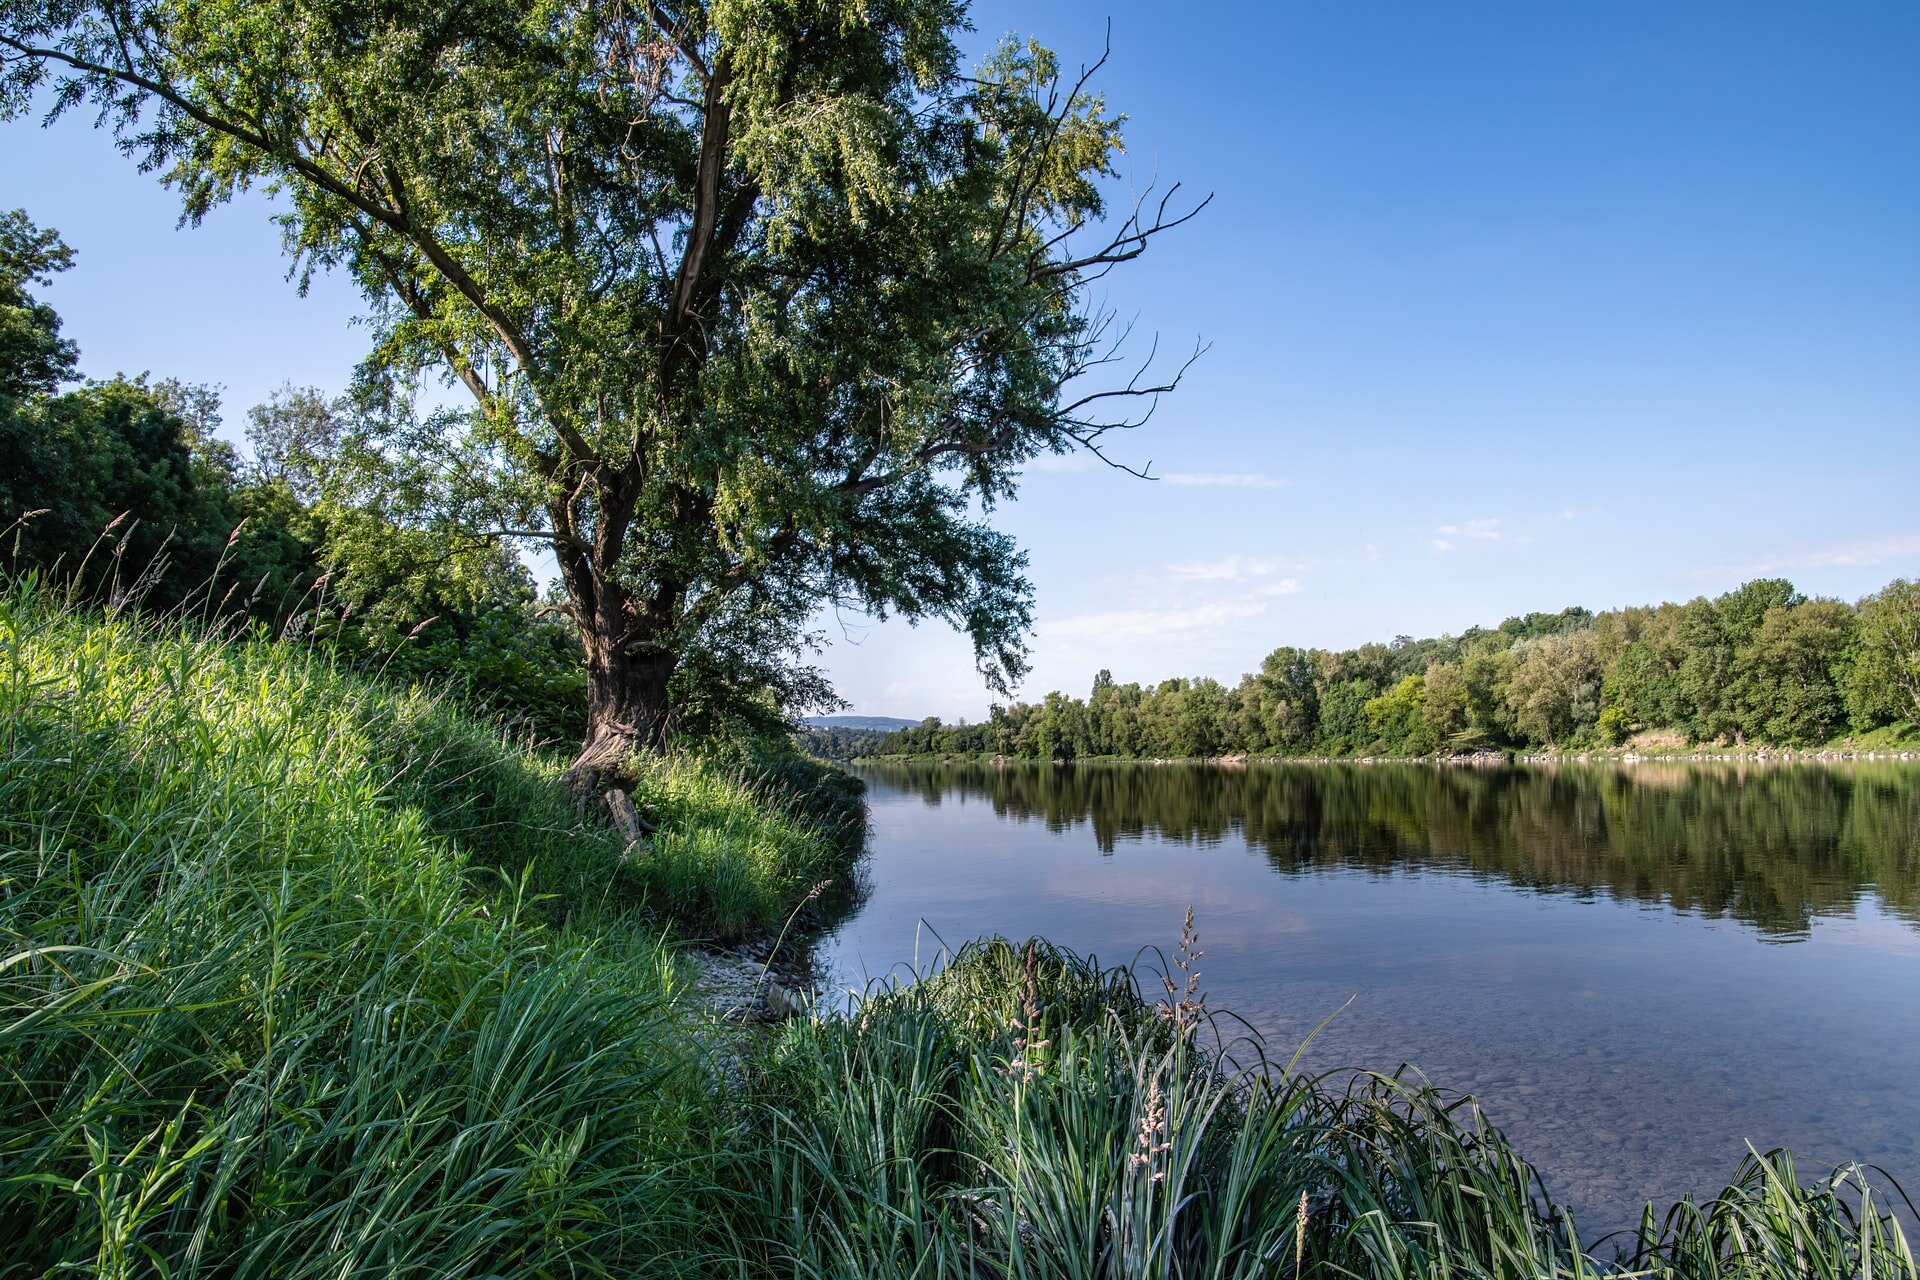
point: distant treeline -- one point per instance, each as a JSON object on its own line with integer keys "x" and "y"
{"x": 839, "y": 741}
{"x": 1761, "y": 664}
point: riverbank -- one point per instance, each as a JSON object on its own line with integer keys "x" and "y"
{"x": 1903, "y": 750}
{"x": 310, "y": 976}
{"x": 1028, "y": 1112}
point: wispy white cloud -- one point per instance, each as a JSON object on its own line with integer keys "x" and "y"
{"x": 1233, "y": 568}
{"x": 1187, "y": 616}
{"x": 1284, "y": 587}
{"x": 1082, "y": 461}
{"x": 1853, "y": 554}
{"x": 1221, "y": 480}
{"x": 1451, "y": 535}
{"x": 1152, "y": 622}
{"x": 1061, "y": 463}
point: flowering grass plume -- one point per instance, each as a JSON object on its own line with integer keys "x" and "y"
{"x": 1029, "y": 1042}
{"x": 1185, "y": 1005}
{"x": 1151, "y": 1142}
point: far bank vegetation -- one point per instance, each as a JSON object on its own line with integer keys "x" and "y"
{"x": 1760, "y": 665}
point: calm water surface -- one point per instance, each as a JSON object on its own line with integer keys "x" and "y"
{"x": 1638, "y": 968}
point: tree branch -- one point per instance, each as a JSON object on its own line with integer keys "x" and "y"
{"x": 677, "y": 36}
{"x": 1129, "y": 243}
{"x": 396, "y": 220}
{"x": 706, "y": 203}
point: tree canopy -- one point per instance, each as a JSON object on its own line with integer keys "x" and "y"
{"x": 33, "y": 355}
{"x": 761, "y": 307}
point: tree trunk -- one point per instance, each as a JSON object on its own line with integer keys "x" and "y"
{"x": 627, "y": 710}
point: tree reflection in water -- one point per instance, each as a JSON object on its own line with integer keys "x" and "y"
{"x": 1772, "y": 845}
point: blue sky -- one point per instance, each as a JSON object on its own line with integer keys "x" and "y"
{"x": 1512, "y": 306}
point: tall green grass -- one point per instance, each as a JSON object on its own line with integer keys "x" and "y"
{"x": 300, "y": 975}
{"x": 738, "y": 847}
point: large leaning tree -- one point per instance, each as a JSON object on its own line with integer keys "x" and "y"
{"x": 762, "y": 304}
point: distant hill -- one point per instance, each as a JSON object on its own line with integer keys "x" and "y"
{"x": 884, "y": 724}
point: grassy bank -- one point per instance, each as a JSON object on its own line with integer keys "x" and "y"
{"x": 303, "y": 975}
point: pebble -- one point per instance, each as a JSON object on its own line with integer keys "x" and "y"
{"x": 738, "y": 987}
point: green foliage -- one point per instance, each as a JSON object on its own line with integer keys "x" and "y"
{"x": 1059, "y": 731}
{"x": 1446, "y": 712}
{"x": 843, "y": 743}
{"x": 34, "y": 358}
{"x": 1285, "y": 707}
{"x": 1643, "y": 682}
{"x": 1486, "y": 672}
{"x": 124, "y": 490}
{"x": 1399, "y": 717}
{"x": 1711, "y": 636}
{"x": 1613, "y": 726}
{"x": 1884, "y": 682}
{"x": 404, "y": 601}
{"x": 1704, "y": 676}
{"x": 1744, "y": 610}
{"x": 120, "y": 490}
{"x": 1539, "y": 626}
{"x": 760, "y": 306}
{"x": 1790, "y": 673}
{"x": 298, "y": 438}
{"x": 1554, "y": 692}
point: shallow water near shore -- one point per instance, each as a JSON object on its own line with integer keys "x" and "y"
{"x": 1638, "y": 968}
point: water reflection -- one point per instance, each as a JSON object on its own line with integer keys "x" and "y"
{"x": 1773, "y": 846}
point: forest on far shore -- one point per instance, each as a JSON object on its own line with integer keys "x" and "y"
{"x": 1761, "y": 665}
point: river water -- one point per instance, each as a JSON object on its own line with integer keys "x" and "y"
{"x": 1639, "y": 969}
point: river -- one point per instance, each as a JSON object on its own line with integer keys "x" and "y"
{"x": 1639, "y": 969}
